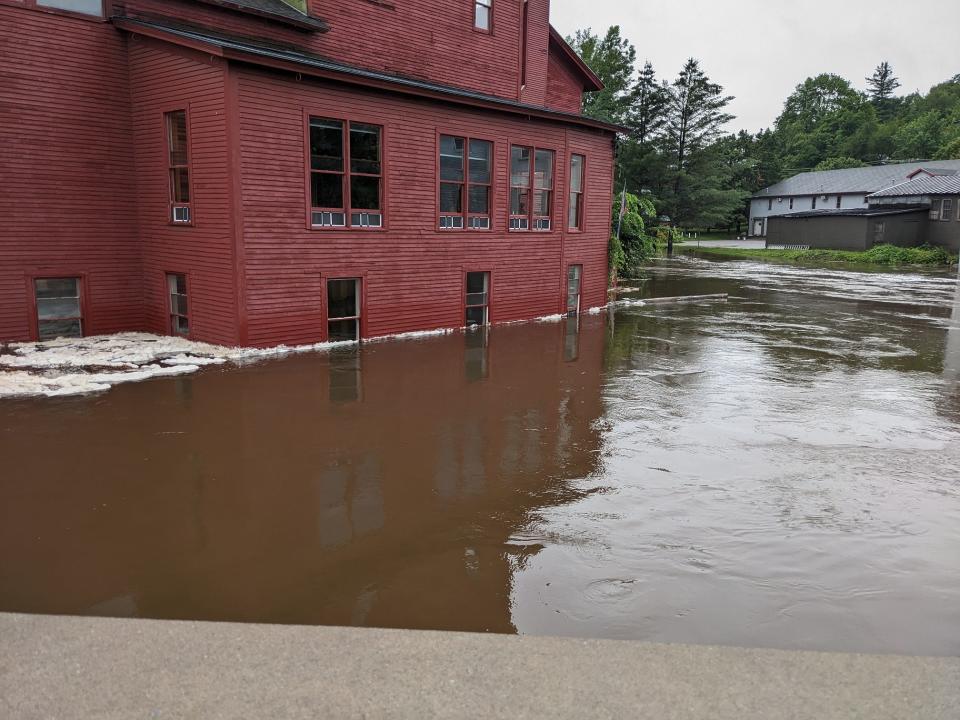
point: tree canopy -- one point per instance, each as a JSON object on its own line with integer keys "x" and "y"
{"x": 677, "y": 151}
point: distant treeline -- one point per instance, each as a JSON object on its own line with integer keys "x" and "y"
{"x": 676, "y": 152}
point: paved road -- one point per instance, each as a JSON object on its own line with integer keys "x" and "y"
{"x": 57, "y": 667}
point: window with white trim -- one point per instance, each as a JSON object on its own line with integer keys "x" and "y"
{"x": 345, "y": 194}
{"x": 531, "y": 188}
{"x": 575, "y": 200}
{"x": 947, "y": 211}
{"x": 935, "y": 209}
{"x": 465, "y": 192}
{"x": 178, "y": 162}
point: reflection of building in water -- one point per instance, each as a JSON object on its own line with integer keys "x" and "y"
{"x": 261, "y": 495}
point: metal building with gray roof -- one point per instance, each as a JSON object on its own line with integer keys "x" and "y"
{"x": 837, "y": 189}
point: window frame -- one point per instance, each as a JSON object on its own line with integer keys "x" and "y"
{"x": 489, "y": 29}
{"x": 489, "y": 294}
{"x": 167, "y": 148}
{"x": 530, "y": 217}
{"x": 343, "y": 273}
{"x": 581, "y": 195}
{"x": 167, "y": 274}
{"x": 348, "y": 210}
{"x": 566, "y": 291}
{"x": 57, "y": 273}
{"x": 839, "y": 202}
{"x": 934, "y": 215}
{"x": 465, "y": 214}
{"x": 946, "y": 209}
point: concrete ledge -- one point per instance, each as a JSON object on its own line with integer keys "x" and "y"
{"x": 59, "y": 667}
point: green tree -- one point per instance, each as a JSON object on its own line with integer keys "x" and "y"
{"x": 696, "y": 114}
{"x": 881, "y": 87}
{"x": 839, "y": 163}
{"x": 636, "y": 245}
{"x": 649, "y": 108}
{"x": 611, "y": 58}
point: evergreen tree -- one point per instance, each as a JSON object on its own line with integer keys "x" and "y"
{"x": 611, "y": 58}
{"x": 882, "y": 84}
{"x": 650, "y": 102}
{"x": 880, "y": 88}
{"x": 695, "y": 116}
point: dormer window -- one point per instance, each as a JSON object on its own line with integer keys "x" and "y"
{"x": 482, "y": 14}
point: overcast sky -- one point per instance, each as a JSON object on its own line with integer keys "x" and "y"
{"x": 760, "y": 50}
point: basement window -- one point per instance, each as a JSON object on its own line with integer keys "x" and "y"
{"x": 465, "y": 195}
{"x": 59, "y": 311}
{"x": 574, "y": 273}
{"x": 177, "y": 291}
{"x": 178, "y": 164}
{"x": 343, "y": 309}
{"x": 483, "y": 14}
{"x": 339, "y": 190}
{"x": 477, "y": 301}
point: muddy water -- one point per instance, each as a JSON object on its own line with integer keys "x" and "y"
{"x": 782, "y": 470}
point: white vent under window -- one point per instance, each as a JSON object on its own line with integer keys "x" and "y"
{"x": 327, "y": 219}
{"x": 181, "y": 214}
{"x": 479, "y": 223}
{"x": 451, "y": 222}
{"x": 363, "y": 219}
{"x": 541, "y": 224}
{"x": 519, "y": 224}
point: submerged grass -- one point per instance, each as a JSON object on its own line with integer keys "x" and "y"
{"x": 878, "y": 255}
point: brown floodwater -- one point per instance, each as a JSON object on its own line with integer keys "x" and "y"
{"x": 780, "y": 470}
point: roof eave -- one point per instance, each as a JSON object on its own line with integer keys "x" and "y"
{"x": 363, "y": 78}
{"x": 592, "y": 82}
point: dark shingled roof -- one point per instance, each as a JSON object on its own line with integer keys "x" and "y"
{"x": 923, "y": 185}
{"x": 274, "y": 10}
{"x": 853, "y": 180}
{"x": 254, "y": 51}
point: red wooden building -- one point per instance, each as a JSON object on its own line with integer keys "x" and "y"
{"x": 257, "y": 172}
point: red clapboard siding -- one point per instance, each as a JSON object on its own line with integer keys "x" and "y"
{"x": 413, "y": 272}
{"x": 431, "y": 40}
{"x": 84, "y": 149}
{"x": 64, "y": 148}
{"x": 564, "y": 88}
{"x": 164, "y": 78}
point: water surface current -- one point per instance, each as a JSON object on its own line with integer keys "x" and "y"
{"x": 779, "y": 470}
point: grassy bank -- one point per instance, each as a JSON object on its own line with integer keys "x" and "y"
{"x": 879, "y": 255}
